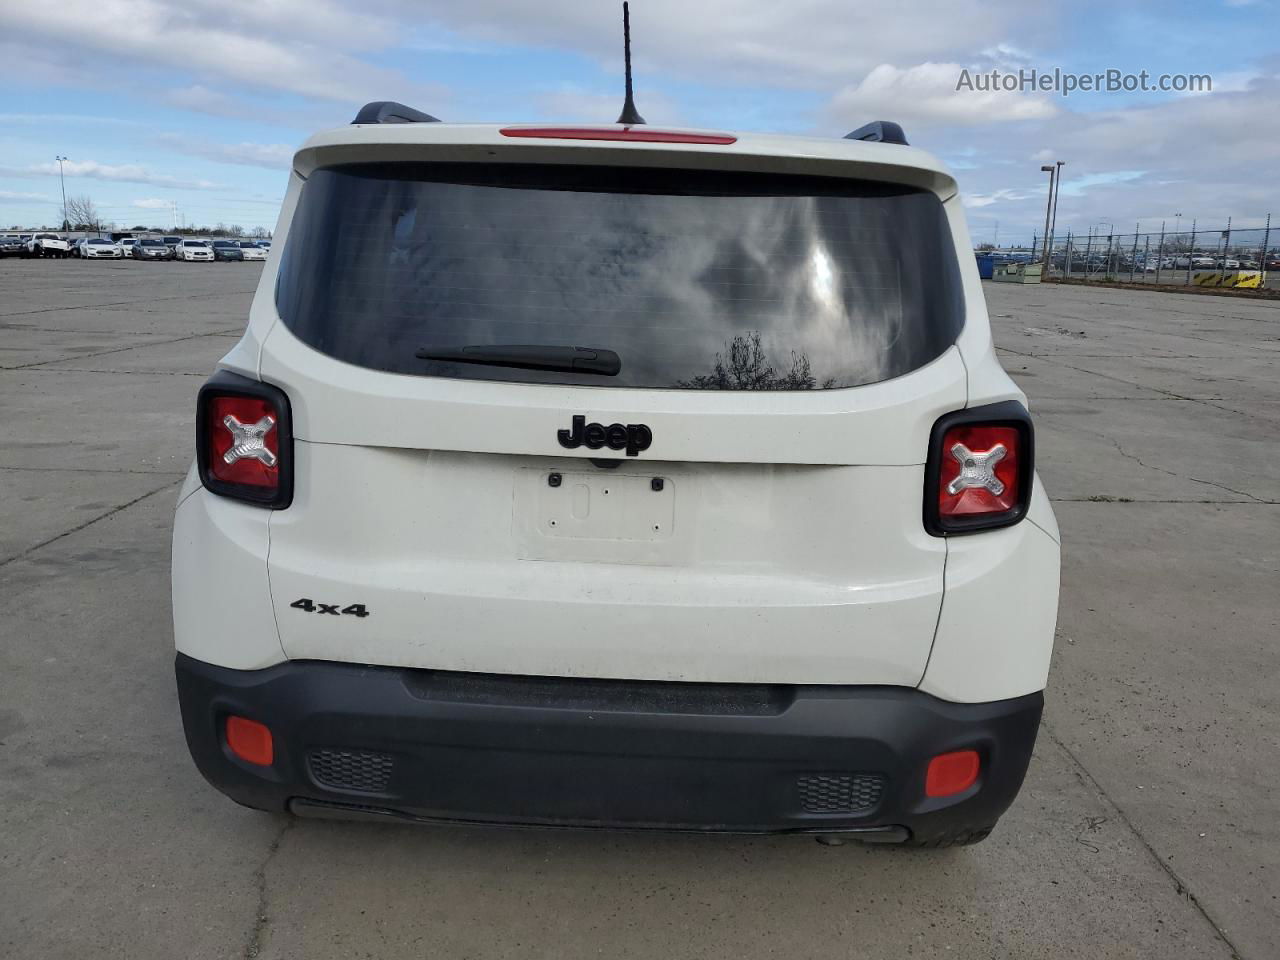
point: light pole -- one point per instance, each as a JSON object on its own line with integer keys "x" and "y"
{"x": 63, "y": 180}
{"x": 1053, "y": 222}
{"x": 1048, "y": 205}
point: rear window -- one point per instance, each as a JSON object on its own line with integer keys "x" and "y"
{"x": 695, "y": 279}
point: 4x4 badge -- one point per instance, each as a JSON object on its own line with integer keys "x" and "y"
{"x": 633, "y": 437}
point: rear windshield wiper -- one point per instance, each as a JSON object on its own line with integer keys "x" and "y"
{"x": 531, "y": 357}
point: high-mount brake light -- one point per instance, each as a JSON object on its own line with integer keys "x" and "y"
{"x": 631, "y": 134}
{"x": 979, "y": 471}
{"x": 244, "y": 442}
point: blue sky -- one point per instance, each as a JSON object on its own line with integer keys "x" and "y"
{"x": 164, "y": 106}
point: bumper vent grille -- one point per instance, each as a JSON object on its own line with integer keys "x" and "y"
{"x": 359, "y": 770}
{"x": 839, "y": 792}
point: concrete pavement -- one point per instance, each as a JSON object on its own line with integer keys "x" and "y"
{"x": 1148, "y": 826}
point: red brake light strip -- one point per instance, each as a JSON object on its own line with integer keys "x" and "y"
{"x": 632, "y": 134}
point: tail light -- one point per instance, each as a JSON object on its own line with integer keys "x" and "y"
{"x": 979, "y": 471}
{"x": 244, "y": 440}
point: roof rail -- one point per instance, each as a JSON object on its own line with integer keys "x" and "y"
{"x": 879, "y": 131}
{"x": 388, "y": 111}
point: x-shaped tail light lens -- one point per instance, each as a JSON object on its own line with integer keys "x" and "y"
{"x": 980, "y": 472}
{"x": 243, "y": 441}
{"x": 977, "y": 469}
{"x": 248, "y": 440}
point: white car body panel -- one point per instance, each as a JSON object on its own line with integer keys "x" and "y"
{"x": 795, "y": 551}
{"x": 221, "y": 585}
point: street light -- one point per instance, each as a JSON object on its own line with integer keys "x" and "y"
{"x": 1053, "y": 223}
{"x": 65, "y": 225}
{"x": 1048, "y": 205}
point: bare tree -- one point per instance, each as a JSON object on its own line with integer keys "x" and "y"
{"x": 744, "y": 365}
{"x": 81, "y": 213}
{"x": 259, "y": 233}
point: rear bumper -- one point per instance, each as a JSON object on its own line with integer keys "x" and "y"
{"x": 541, "y": 751}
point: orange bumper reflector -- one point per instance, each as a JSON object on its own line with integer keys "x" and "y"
{"x": 250, "y": 741}
{"x": 952, "y": 773}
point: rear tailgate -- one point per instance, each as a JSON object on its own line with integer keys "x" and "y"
{"x": 786, "y": 356}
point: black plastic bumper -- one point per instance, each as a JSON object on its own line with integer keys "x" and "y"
{"x": 544, "y": 751}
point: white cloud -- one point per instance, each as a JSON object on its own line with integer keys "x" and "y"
{"x": 273, "y": 156}
{"x": 1000, "y": 196}
{"x": 121, "y": 173}
{"x": 201, "y": 99}
{"x": 927, "y": 93}
{"x": 153, "y": 203}
{"x": 802, "y": 43}
{"x": 299, "y": 46}
{"x": 576, "y": 105}
{"x": 20, "y": 197}
{"x": 1198, "y": 156}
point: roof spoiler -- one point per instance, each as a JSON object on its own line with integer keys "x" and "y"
{"x": 878, "y": 131}
{"x": 388, "y": 111}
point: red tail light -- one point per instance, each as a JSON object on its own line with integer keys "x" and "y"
{"x": 244, "y": 443}
{"x": 633, "y": 134}
{"x": 979, "y": 470}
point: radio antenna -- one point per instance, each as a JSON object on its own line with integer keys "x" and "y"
{"x": 629, "y": 115}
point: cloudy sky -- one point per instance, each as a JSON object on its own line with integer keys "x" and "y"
{"x": 158, "y": 103}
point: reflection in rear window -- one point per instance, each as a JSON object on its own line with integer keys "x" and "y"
{"x": 696, "y": 279}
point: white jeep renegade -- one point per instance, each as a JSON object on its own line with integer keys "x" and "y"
{"x": 616, "y": 476}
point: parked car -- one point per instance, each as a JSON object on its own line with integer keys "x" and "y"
{"x": 173, "y": 243}
{"x": 775, "y": 561}
{"x": 126, "y": 245}
{"x": 1202, "y": 261}
{"x": 98, "y": 248}
{"x": 226, "y": 250}
{"x": 151, "y": 248}
{"x": 12, "y": 245}
{"x": 48, "y": 245}
{"x": 252, "y": 250}
{"x": 194, "y": 250}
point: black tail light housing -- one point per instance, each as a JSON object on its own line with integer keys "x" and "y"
{"x": 980, "y": 469}
{"x": 244, "y": 440}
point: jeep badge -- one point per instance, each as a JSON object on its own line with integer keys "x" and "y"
{"x": 633, "y": 437}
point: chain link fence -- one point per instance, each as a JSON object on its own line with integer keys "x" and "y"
{"x": 1221, "y": 256}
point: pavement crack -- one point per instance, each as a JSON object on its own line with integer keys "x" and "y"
{"x": 132, "y": 346}
{"x": 128, "y": 303}
{"x": 1047, "y": 358}
{"x": 1090, "y": 782}
{"x": 1239, "y": 493}
{"x": 261, "y": 919}
{"x": 1211, "y": 483}
{"x": 88, "y": 523}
